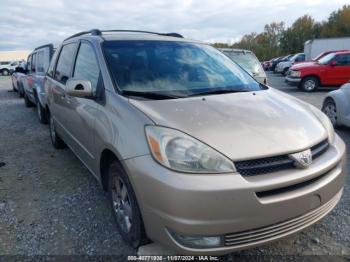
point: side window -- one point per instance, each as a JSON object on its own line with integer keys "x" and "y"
{"x": 51, "y": 68}
{"x": 29, "y": 62}
{"x": 32, "y": 68}
{"x": 343, "y": 60}
{"x": 65, "y": 62}
{"x": 86, "y": 65}
{"x": 40, "y": 62}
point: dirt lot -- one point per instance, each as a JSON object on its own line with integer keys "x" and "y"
{"x": 51, "y": 205}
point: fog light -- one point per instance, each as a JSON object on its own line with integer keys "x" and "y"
{"x": 196, "y": 241}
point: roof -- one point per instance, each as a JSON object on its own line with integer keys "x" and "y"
{"x": 342, "y": 52}
{"x": 142, "y": 36}
{"x": 110, "y": 35}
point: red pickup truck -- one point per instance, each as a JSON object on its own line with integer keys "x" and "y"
{"x": 331, "y": 70}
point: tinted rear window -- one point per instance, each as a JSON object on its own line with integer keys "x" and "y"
{"x": 65, "y": 62}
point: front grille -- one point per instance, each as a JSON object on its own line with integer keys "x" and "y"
{"x": 263, "y": 234}
{"x": 276, "y": 163}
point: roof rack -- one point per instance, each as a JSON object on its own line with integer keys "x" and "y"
{"x": 47, "y": 45}
{"x": 92, "y": 32}
{"x": 99, "y": 33}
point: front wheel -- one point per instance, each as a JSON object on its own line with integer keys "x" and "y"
{"x": 5, "y": 72}
{"x": 309, "y": 84}
{"x": 285, "y": 71}
{"x": 330, "y": 109}
{"x": 124, "y": 206}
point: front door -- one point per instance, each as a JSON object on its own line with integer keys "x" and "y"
{"x": 81, "y": 112}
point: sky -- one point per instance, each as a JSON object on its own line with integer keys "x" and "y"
{"x": 25, "y": 24}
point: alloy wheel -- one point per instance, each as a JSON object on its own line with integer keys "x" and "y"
{"x": 309, "y": 85}
{"x": 331, "y": 111}
{"x": 121, "y": 204}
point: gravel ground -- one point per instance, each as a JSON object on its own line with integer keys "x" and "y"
{"x": 51, "y": 205}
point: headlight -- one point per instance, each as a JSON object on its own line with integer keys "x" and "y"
{"x": 181, "y": 152}
{"x": 295, "y": 73}
{"x": 325, "y": 122}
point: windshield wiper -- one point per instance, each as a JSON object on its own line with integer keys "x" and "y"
{"x": 217, "y": 92}
{"x": 150, "y": 95}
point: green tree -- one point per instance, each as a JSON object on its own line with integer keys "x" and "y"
{"x": 338, "y": 24}
{"x": 303, "y": 29}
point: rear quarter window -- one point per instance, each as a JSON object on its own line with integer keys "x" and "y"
{"x": 65, "y": 63}
{"x": 40, "y": 62}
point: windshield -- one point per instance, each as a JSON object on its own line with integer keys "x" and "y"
{"x": 177, "y": 69}
{"x": 246, "y": 60}
{"x": 326, "y": 59}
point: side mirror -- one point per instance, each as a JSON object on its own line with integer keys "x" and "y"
{"x": 79, "y": 88}
{"x": 333, "y": 63}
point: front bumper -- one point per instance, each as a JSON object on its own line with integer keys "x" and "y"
{"x": 292, "y": 80}
{"x": 228, "y": 205}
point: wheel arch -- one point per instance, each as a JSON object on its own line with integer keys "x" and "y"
{"x": 340, "y": 102}
{"x": 107, "y": 157}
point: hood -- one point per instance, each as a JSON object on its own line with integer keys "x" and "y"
{"x": 240, "y": 125}
{"x": 304, "y": 64}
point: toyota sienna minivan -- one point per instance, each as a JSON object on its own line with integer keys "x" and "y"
{"x": 195, "y": 153}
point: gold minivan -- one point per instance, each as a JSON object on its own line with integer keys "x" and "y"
{"x": 194, "y": 152}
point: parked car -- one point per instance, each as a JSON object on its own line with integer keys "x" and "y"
{"x": 283, "y": 66}
{"x": 323, "y": 54}
{"x": 8, "y": 67}
{"x": 33, "y": 84}
{"x": 331, "y": 70}
{"x": 278, "y": 60}
{"x": 336, "y": 106}
{"x": 248, "y": 61}
{"x": 266, "y": 64}
{"x": 195, "y": 153}
{"x": 18, "y": 77}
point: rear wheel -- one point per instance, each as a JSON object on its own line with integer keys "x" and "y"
{"x": 124, "y": 206}
{"x": 42, "y": 114}
{"x": 27, "y": 102}
{"x": 309, "y": 84}
{"x": 20, "y": 90}
{"x": 330, "y": 109}
{"x": 57, "y": 142}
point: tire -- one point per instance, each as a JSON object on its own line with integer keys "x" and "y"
{"x": 309, "y": 84}
{"x": 56, "y": 141}
{"x": 20, "y": 90}
{"x": 5, "y": 72}
{"x": 124, "y": 206}
{"x": 330, "y": 109}
{"x": 41, "y": 111}
{"x": 27, "y": 102}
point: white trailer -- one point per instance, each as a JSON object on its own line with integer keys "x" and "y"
{"x": 313, "y": 48}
